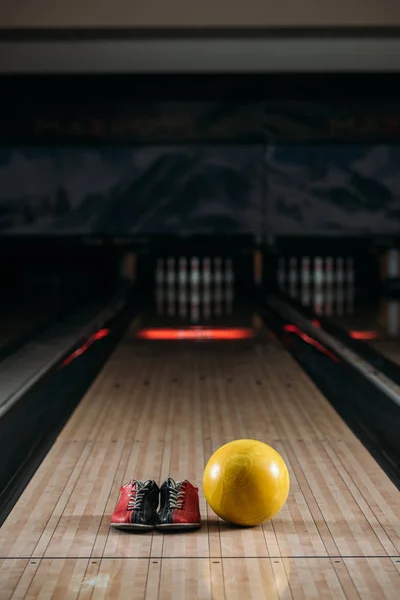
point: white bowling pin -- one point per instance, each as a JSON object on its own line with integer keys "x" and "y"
{"x": 229, "y": 271}
{"x": 305, "y": 271}
{"x": 171, "y": 271}
{"x": 293, "y": 270}
{"x": 329, "y": 299}
{"x": 329, "y": 271}
{"x": 217, "y": 271}
{"x": 318, "y": 271}
{"x": 183, "y": 301}
{"x": 206, "y": 272}
{"x": 206, "y": 302}
{"x": 393, "y": 263}
{"x": 194, "y": 304}
{"x": 318, "y": 299}
{"x": 194, "y": 272}
{"x": 182, "y": 271}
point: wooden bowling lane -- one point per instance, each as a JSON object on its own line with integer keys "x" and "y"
{"x": 160, "y": 409}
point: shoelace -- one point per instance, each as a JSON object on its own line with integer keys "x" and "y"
{"x": 177, "y": 495}
{"x": 137, "y": 495}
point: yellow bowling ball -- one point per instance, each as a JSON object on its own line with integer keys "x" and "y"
{"x": 246, "y": 482}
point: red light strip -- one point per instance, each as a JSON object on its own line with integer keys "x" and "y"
{"x": 364, "y": 335}
{"x": 195, "y": 333}
{"x": 79, "y": 351}
{"x": 309, "y": 340}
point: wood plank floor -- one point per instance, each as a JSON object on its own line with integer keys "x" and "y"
{"x": 158, "y": 410}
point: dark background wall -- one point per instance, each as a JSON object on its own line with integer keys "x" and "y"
{"x": 304, "y": 189}
{"x": 295, "y": 155}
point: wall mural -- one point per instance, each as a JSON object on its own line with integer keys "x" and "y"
{"x": 296, "y": 189}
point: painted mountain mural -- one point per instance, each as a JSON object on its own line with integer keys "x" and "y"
{"x": 282, "y": 190}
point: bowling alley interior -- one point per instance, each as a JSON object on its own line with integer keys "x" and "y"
{"x": 200, "y": 333}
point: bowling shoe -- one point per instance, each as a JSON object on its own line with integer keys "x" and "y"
{"x": 179, "y": 506}
{"x": 137, "y": 506}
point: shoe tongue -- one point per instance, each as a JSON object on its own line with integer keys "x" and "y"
{"x": 138, "y": 485}
{"x": 144, "y": 483}
{"x": 172, "y": 483}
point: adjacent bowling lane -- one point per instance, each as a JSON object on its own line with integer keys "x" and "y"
{"x": 377, "y": 323}
{"x": 328, "y": 287}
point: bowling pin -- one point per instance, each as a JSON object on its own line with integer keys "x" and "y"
{"x": 206, "y": 272}
{"x": 318, "y": 299}
{"x": 339, "y": 270}
{"x": 329, "y": 299}
{"x": 194, "y": 289}
{"x": 329, "y": 271}
{"x": 160, "y": 272}
{"x": 207, "y": 287}
{"x": 171, "y": 300}
{"x": 183, "y": 301}
{"x": 305, "y": 295}
{"x": 207, "y": 302}
{"x": 182, "y": 271}
{"x": 217, "y": 271}
{"x": 171, "y": 271}
{"x": 194, "y": 272}
{"x": 305, "y": 271}
{"x": 318, "y": 271}
{"x": 228, "y": 271}
{"x": 293, "y": 277}
{"x": 182, "y": 277}
{"x": 393, "y": 263}
{"x": 305, "y": 281}
{"x": 194, "y": 304}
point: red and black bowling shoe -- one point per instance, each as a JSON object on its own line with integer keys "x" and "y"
{"x": 137, "y": 506}
{"x": 179, "y": 506}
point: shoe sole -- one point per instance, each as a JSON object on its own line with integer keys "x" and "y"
{"x": 176, "y": 526}
{"x": 132, "y": 526}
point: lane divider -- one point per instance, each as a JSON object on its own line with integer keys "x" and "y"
{"x": 386, "y": 385}
{"x": 114, "y": 306}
